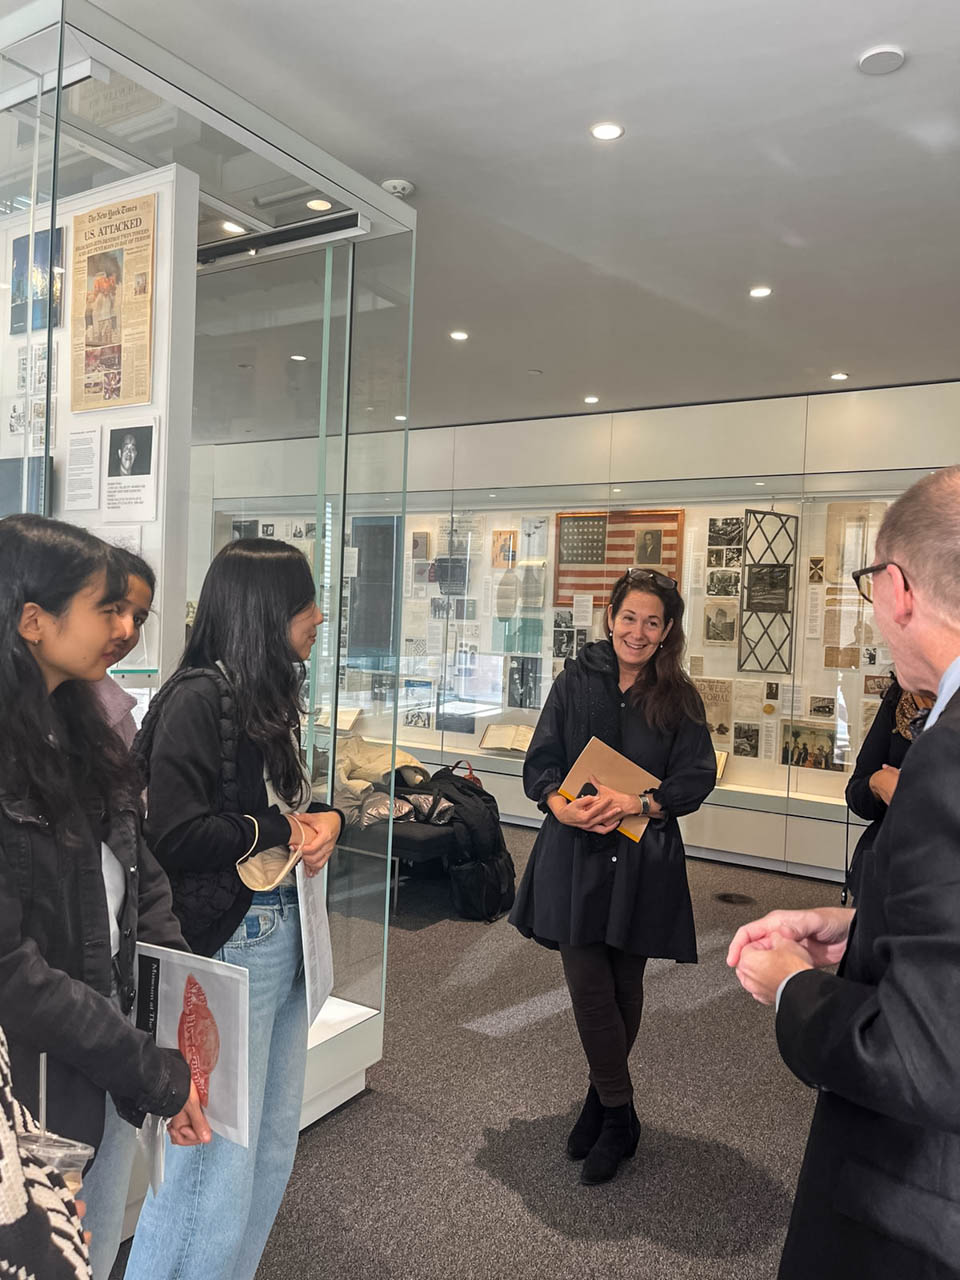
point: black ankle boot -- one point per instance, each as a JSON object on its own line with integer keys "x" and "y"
{"x": 587, "y": 1129}
{"x": 618, "y": 1140}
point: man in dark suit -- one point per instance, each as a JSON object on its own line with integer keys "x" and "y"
{"x": 879, "y": 1191}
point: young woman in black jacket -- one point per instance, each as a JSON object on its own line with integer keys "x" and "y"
{"x": 220, "y": 752}
{"x": 78, "y": 886}
{"x": 605, "y": 902}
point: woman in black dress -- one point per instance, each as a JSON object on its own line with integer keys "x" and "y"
{"x": 605, "y": 902}
{"x": 877, "y": 771}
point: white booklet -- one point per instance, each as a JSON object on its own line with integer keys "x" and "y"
{"x": 507, "y": 737}
{"x": 202, "y": 1008}
{"x": 315, "y": 931}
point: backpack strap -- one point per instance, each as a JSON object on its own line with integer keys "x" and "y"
{"x": 143, "y": 743}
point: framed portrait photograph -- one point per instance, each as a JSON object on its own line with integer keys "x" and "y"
{"x": 649, "y": 548}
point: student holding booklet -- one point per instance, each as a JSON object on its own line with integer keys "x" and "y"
{"x": 78, "y": 886}
{"x": 604, "y": 900}
{"x": 228, "y": 811}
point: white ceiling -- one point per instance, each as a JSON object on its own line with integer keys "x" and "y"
{"x": 755, "y": 152}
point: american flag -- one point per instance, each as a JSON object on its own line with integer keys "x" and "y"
{"x": 595, "y": 547}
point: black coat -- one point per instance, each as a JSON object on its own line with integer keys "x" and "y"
{"x": 203, "y": 776}
{"x": 579, "y": 888}
{"x": 56, "y": 972}
{"x": 879, "y": 1191}
{"x": 882, "y": 745}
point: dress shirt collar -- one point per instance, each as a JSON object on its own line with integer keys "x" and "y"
{"x": 949, "y": 685}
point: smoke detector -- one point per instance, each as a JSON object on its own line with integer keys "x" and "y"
{"x": 398, "y": 187}
{"x": 881, "y": 60}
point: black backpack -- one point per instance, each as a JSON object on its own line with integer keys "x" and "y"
{"x": 482, "y": 875}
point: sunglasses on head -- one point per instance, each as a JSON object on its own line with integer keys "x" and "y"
{"x": 654, "y": 575}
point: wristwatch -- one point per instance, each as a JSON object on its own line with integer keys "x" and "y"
{"x": 644, "y": 804}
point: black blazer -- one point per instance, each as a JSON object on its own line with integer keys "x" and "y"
{"x": 879, "y": 1192}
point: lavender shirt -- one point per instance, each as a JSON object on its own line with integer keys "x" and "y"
{"x": 117, "y": 706}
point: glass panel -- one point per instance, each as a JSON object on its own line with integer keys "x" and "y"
{"x": 31, "y": 274}
{"x": 843, "y": 664}
{"x": 365, "y": 696}
{"x": 134, "y": 130}
{"x": 292, "y": 461}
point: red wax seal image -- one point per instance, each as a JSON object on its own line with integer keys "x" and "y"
{"x": 198, "y": 1037}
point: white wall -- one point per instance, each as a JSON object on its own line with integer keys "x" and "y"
{"x": 898, "y": 428}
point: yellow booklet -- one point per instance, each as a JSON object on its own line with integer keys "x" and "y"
{"x": 614, "y": 770}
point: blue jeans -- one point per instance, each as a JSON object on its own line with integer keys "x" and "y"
{"x": 217, "y": 1203}
{"x": 106, "y": 1185}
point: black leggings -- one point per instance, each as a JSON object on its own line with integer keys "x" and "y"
{"x": 606, "y": 987}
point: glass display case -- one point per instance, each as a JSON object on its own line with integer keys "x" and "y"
{"x": 197, "y": 301}
{"x": 504, "y": 584}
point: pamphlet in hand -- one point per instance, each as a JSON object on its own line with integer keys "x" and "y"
{"x": 315, "y": 932}
{"x": 202, "y": 1008}
{"x": 599, "y": 761}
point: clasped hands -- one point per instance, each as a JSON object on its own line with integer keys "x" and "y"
{"x": 319, "y": 832}
{"x": 600, "y": 813}
{"x": 783, "y": 943}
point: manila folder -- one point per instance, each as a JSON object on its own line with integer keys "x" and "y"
{"x": 614, "y": 770}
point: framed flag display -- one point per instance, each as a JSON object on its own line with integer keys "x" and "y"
{"x": 595, "y": 547}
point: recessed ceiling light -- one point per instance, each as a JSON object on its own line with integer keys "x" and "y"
{"x": 492, "y": 495}
{"x": 607, "y": 131}
{"x": 251, "y": 253}
{"x": 369, "y": 408}
{"x": 399, "y": 417}
{"x": 591, "y": 399}
{"x": 234, "y": 228}
{"x": 760, "y": 483}
{"x": 459, "y": 335}
{"x": 761, "y": 291}
{"x": 298, "y": 357}
{"x": 617, "y": 491}
{"x": 881, "y": 60}
{"x": 839, "y": 377}
{"x": 319, "y": 206}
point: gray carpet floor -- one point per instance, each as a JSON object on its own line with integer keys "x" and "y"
{"x": 452, "y": 1162}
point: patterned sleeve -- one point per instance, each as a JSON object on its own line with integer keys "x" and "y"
{"x": 40, "y": 1233}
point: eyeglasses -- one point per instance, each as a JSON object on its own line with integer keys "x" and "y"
{"x": 864, "y": 577}
{"x": 661, "y": 579}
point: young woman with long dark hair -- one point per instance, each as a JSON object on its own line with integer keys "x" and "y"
{"x": 133, "y": 610}
{"x": 605, "y": 902}
{"x": 78, "y": 886}
{"x": 220, "y": 754}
